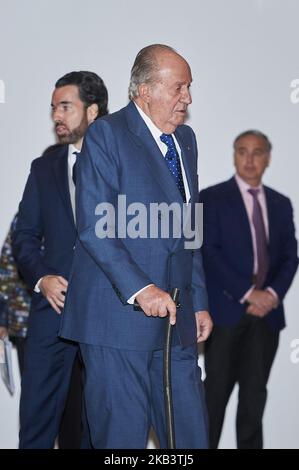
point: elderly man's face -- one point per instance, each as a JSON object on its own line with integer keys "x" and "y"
{"x": 169, "y": 97}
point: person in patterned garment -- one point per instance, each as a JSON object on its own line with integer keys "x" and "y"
{"x": 15, "y": 298}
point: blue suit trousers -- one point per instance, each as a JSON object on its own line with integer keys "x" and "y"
{"x": 125, "y": 397}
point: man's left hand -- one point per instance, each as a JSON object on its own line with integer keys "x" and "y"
{"x": 263, "y": 299}
{"x": 204, "y": 325}
{"x": 262, "y": 304}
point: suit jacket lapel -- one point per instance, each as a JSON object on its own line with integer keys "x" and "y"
{"x": 191, "y": 176}
{"x": 236, "y": 202}
{"x": 271, "y": 212}
{"x": 60, "y": 167}
{"x": 151, "y": 155}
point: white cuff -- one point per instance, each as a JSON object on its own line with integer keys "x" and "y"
{"x": 131, "y": 299}
{"x": 36, "y": 287}
{"x": 272, "y": 291}
{"x": 245, "y": 296}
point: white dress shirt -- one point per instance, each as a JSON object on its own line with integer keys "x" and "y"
{"x": 72, "y": 150}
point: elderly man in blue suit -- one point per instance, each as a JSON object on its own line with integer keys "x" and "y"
{"x": 250, "y": 259}
{"x": 47, "y": 217}
{"x": 145, "y": 153}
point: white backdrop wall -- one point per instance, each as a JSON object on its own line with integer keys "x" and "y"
{"x": 244, "y": 56}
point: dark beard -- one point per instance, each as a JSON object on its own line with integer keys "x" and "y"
{"x": 71, "y": 137}
{"x": 76, "y": 134}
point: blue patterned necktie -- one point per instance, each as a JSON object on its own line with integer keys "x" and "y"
{"x": 173, "y": 162}
{"x": 261, "y": 240}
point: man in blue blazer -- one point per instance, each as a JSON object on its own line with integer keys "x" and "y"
{"x": 250, "y": 259}
{"x": 46, "y": 216}
{"x": 126, "y": 167}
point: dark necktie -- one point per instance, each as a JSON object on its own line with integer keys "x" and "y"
{"x": 261, "y": 240}
{"x": 173, "y": 162}
{"x": 74, "y": 171}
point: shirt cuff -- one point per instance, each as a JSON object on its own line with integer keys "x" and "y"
{"x": 36, "y": 287}
{"x": 132, "y": 299}
{"x": 245, "y": 297}
{"x": 272, "y": 291}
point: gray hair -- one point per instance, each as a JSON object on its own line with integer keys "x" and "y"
{"x": 145, "y": 67}
{"x": 255, "y": 133}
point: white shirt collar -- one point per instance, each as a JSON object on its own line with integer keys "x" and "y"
{"x": 155, "y": 131}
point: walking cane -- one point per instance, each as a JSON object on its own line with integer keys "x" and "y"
{"x": 167, "y": 373}
{"x": 167, "y": 377}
